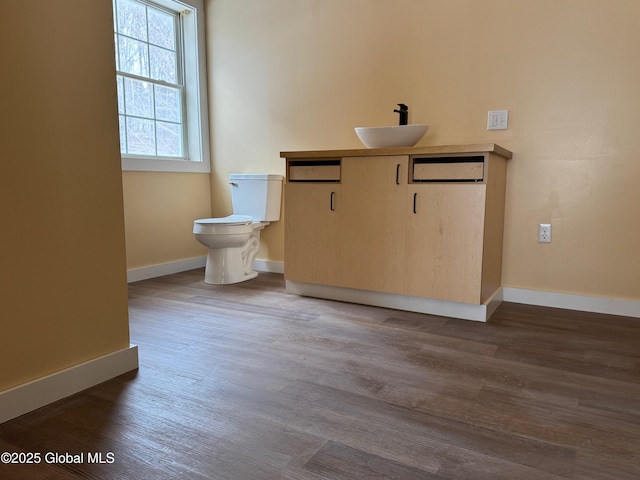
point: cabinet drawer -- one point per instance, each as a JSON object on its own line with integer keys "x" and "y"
{"x": 328, "y": 171}
{"x": 442, "y": 170}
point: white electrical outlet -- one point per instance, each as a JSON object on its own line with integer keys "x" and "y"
{"x": 544, "y": 233}
{"x": 498, "y": 120}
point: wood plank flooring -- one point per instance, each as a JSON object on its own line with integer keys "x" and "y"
{"x": 246, "y": 382}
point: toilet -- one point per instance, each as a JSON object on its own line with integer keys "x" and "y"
{"x": 233, "y": 241}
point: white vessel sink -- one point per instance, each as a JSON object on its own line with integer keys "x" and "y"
{"x": 389, "y": 137}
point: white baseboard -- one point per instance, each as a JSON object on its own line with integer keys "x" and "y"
{"x": 465, "y": 311}
{"x": 37, "y": 393}
{"x": 160, "y": 270}
{"x": 612, "y": 306}
{"x": 268, "y": 266}
{"x": 584, "y": 303}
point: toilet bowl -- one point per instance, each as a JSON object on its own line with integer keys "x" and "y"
{"x": 233, "y": 241}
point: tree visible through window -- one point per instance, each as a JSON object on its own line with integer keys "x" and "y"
{"x": 150, "y": 79}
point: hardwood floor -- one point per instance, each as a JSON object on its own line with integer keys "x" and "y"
{"x": 246, "y": 382}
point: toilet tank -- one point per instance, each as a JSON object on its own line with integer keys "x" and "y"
{"x": 256, "y": 194}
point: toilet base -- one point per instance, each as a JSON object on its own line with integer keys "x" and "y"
{"x": 233, "y": 264}
{"x": 214, "y": 277}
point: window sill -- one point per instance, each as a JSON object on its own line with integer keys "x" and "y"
{"x": 158, "y": 165}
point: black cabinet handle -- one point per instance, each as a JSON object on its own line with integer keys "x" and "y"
{"x": 398, "y": 174}
{"x": 415, "y": 198}
{"x": 331, "y": 205}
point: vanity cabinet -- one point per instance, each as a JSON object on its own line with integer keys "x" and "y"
{"x": 410, "y": 223}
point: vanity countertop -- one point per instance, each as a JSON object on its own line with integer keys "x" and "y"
{"x": 424, "y": 150}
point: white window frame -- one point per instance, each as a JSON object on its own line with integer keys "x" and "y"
{"x": 196, "y": 102}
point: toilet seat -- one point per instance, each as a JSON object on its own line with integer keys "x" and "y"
{"x": 229, "y": 220}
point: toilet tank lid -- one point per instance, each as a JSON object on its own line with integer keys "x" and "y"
{"x": 255, "y": 176}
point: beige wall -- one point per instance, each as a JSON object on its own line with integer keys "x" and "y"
{"x": 63, "y": 291}
{"x": 160, "y": 208}
{"x": 294, "y": 75}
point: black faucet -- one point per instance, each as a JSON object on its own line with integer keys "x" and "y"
{"x": 404, "y": 114}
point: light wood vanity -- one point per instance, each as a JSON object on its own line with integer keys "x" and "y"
{"x": 415, "y": 229}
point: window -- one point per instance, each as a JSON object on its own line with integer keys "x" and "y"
{"x": 161, "y": 85}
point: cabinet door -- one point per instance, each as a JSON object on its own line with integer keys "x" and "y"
{"x": 444, "y": 241}
{"x": 372, "y": 222}
{"x": 312, "y": 232}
